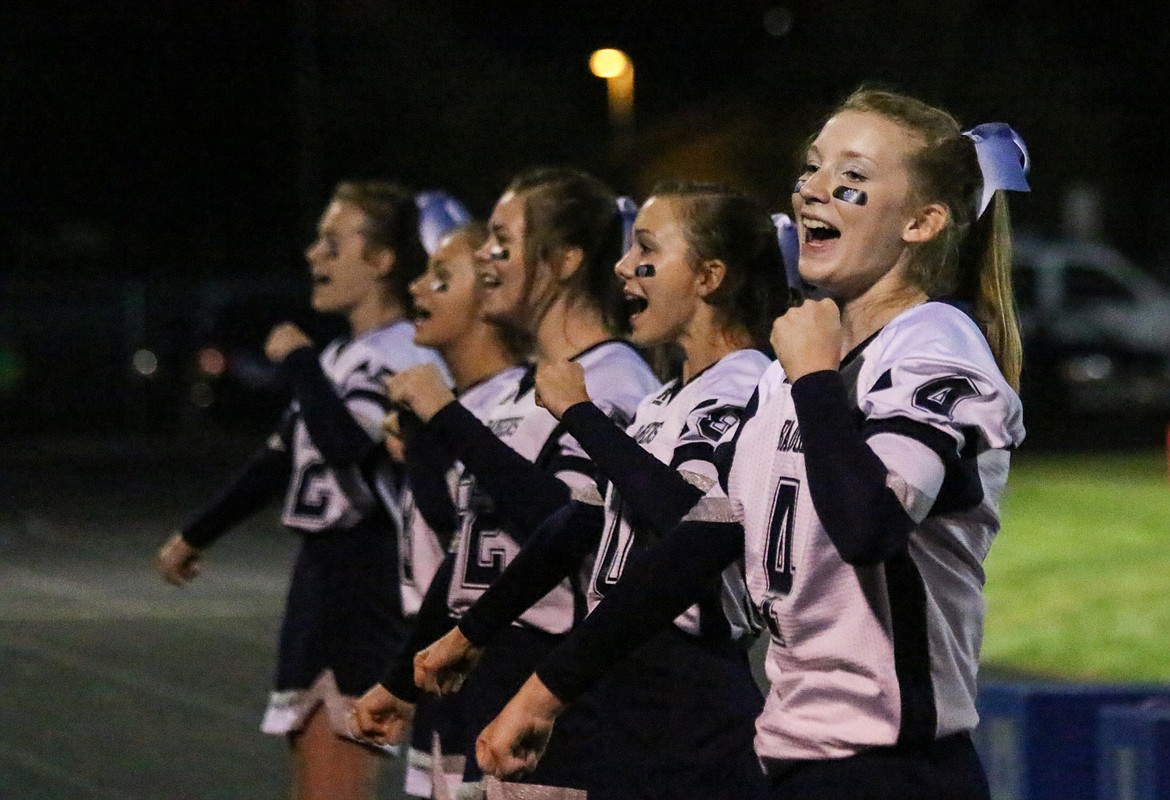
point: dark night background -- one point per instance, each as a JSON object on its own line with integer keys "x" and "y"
{"x": 158, "y": 144}
{"x": 163, "y": 162}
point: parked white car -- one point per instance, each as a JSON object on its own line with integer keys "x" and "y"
{"x": 1096, "y": 328}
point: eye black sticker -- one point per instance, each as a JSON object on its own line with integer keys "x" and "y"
{"x": 644, "y": 271}
{"x": 850, "y": 195}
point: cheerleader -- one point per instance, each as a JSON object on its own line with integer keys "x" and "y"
{"x": 553, "y": 237}
{"x": 704, "y": 274}
{"x": 343, "y": 611}
{"x": 484, "y": 361}
{"x": 869, "y": 473}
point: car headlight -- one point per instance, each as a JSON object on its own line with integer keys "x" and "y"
{"x": 1088, "y": 369}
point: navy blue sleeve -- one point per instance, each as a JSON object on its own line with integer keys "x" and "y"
{"x": 525, "y": 492}
{"x": 427, "y": 463}
{"x": 656, "y": 494}
{"x": 433, "y": 621}
{"x": 653, "y": 590}
{"x": 263, "y": 477}
{"x": 557, "y": 549}
{"x": 846, "y": 479}
{"x": 336, "y": 434}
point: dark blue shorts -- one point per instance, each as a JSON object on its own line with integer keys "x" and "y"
{"x": 674, "y": 721}
{"x": 441, "y": 715}
{"x": 344, "y": 610}
{"x": 946, "y": 769}
{"x": 506, "y": 664}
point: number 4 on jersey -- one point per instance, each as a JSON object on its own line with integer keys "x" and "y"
{"x": 778, "y": 554}
{"x": 943, "y": 394}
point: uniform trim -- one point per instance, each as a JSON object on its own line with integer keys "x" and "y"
{"x": 602, "y": 344}
{"x": 907, "y": 597}
{"x": 590, "y": 495}
{"x": 369, "y": 394}
{"x": 550, "y": 449}
{"x": 568, "y": 463}
{"x": 715, "y": 509}
{"x": 695, "y": 451}
{"x": 928, "y": 435}
{"x": 702, "y": 482}
{"x": 962, "y": 488}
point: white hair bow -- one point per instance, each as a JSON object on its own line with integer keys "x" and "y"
{"x": 1003, "y": 159}
{"x": 629, "y": 211}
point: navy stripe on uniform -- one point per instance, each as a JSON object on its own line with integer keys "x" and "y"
{"x": 907, "y": 595}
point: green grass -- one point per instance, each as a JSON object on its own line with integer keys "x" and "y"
{"x": 1078, "y": 580}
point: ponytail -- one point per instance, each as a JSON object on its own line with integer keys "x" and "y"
{"x": 994, "y": 302}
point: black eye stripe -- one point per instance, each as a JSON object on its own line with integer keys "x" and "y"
{"x": 850, "y": 195}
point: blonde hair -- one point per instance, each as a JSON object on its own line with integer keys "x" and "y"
{"x": 971, "y": 259}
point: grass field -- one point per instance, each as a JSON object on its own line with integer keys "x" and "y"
{"x": 1078, "y": 581}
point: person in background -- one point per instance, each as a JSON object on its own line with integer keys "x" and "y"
{"x": 485, "y": 363}
{"x": 553, "y": 238}
{"x": 866, "y": 478}
{"x": 343, "y": 611}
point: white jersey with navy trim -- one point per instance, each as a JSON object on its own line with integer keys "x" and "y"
{"x": 617, "y": 378}
{"x": 319, "y": 497}
{"x": 680, "y": 426}
{"x": 420, "y": 552}
{"x": 836, "y": 687}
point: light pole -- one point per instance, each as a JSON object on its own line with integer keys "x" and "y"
{"x": 618, "y": 71}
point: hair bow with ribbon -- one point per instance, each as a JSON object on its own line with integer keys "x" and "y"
{"x": 438, "y": 214}
{"x": 1003, "y": 159}
{"x": 629, "y": 212}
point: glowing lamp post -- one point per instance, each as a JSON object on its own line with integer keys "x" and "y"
{"x": 618, "y": 71}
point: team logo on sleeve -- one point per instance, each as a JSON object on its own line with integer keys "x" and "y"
{"x": 645, "y": 434}
{"x": 714, "y": 425}
{"x": 941, "y": 395}
{"x": 503, "y": 428}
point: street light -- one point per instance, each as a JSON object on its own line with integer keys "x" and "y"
{"x": 618, "y": 71}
